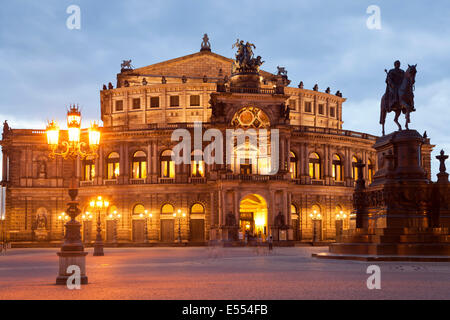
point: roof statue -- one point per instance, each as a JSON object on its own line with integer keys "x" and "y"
{"x": 281, "y": 71}
{"x": 126, "y": 65}
{"x": 206, "y": 46}
{"x": 399, "y": 96}
{"x": 245, "y": 61}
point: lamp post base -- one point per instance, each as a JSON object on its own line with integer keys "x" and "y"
{"x": 67, "y": 259}
{"x": 98, "y": 249}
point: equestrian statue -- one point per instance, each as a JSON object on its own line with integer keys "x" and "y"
{"x": 399, "y": 95}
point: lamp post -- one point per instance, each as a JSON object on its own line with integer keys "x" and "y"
{"x": 87, "y": 217}
{"x": 147, "y": 215}
{"x": 62, "y": 218}
{"x": 179, "y": 222}
{"x": 98, "y": 205}
{"x": 317, "y": 219}
{"x": 339, "y": 223}
{"x": 72, "y": 251}
{"x": 114, "y": 217}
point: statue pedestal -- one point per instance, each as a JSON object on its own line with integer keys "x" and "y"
{"x": 395, "y": 213}
{"x": 67, "y": 259}
{"x": 41, "y": 235}
{"x": 230, "y": 233}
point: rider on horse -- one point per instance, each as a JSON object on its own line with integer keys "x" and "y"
{"x": 394, "y": 79}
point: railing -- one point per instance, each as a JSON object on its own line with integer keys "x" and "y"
{"x": 196, "y": 180}
{"x": 333, "y": 131}
{"x": 137, "y": 181}
{"x": 86, "y": 183}
{"x": 166, "y": 180}
{"x": 250, "y": 90}
{"x": 173, "y": 126}
{"x": 252, "y": 177}
{"x": 110, "y": 182}
{"x": 317, "y": 182}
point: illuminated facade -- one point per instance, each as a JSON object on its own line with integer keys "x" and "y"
{"x": 152, "y": 199}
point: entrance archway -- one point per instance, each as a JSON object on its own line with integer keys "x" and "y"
{"x": 253, "y": 216}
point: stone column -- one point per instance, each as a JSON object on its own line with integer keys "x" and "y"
{"x": 236, "y": 205}
{"x": 145, "y": 107}
{"x": 4, "y": 165}
{"x": 126, "y": 107}
{"x": 154, "y": 162}
{"x": 149, "y": 162}
{"x": 100, "y": 166}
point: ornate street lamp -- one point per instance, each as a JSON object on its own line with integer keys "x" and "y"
{"x": 179, "y": 222}
{"x": 316, "y": 218}
{"x": 87, "y": 217}
{"x": 114, "y": 216}
{"x": 339, "y": 223}
{"x": 62, "y": 218}
{"x": 72, "y": 251}
{"x": 98, "y": 204}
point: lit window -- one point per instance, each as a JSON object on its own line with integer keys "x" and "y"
{"x": 337, "y": 168}
{"x": 354, "y": 168}
{"x": 112, "y": 165}
{"x": 370, "y": 170}
{"x": 197, "y": 164}
{"x": 167, "y": 209}
{"x": 197, "y": 208}
{"x": 293, "y": 165}
{"x": 139, "y": 210}
{"x": 314, "y": 166}
{"x": 139, "y": 163}
{"x": 89, "y": 170}
{"x": 167, "y": 165}
{"x": 293, "y": 210}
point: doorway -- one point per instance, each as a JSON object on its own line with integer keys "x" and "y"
{"x": 253, "y": 216}
{"x": 167, "y": 230}
{"x": 197, "y": 227}
{"x": 138, "y": 230}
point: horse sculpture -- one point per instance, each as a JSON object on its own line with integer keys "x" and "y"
{"x": 399, "y": 99}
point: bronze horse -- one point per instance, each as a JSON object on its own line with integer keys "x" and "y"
{"x": 405, "y": 101}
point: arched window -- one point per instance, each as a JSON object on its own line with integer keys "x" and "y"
{"x": 315, "y": 166}
{"x": 354, "y": 168}
{"x": 370, "y": 169}
{"x": 88, "y": 169}
{"x": 139, "y": 163}
{"x": 293, "y": 165}
{"x": 112, "y": 165}
{"x": 167, "y": 209}
{"x": 167, "y": 165}
{"x": 197, "y": 164}
{"x": 197, "y": 208}
{"x": 294, "y": 210}
{"x": 139, "y": 210}
{"x": 337, "y": 168}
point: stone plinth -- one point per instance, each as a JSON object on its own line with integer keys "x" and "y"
{"x": 67, "y": 259}
{"x": 398, "y": 214}
{"x": 230, "y": 233}
{"x": 41, "y": 235}
{"x": 245, "y": 80}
